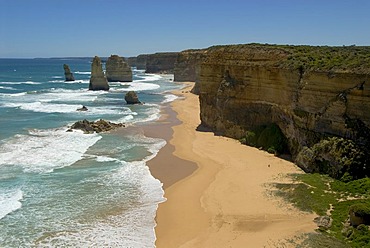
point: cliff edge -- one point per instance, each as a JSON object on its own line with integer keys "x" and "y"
{"x": 310, "y": 94}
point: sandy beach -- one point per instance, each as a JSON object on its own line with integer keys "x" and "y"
{"x": 217, "y": 189}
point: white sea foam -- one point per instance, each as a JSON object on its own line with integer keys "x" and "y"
{"x": 83, "y": 72}
{"x": 137, "y": 87}
{"x": 169, "y": 98}
{"x": 105, "y": 159}
{"x": 56, "y": 81}
{"x": 45, "y": 107}
{"x": 152, "y": 114}
{"x": 10, "y": 201}
{"x": 26, "y": 82}
{"x": 45, "y": 150}
{"x": 14, "y": 94}
{"x": 6, "y": 88}
{"x": 132, "y": 227}
{"x": 148, "y": 77}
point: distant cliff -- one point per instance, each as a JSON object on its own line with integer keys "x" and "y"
{"x": 161, "y": 62}
{"x": 139, "y": 62}
{"x": 309, "y": 93}
{"x": 188, "y": 64}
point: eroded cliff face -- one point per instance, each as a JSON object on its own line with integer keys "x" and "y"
{"x": 161, "y": 62}
{"x": 117, "y": 70}
{"x": 187, "y": 65}
{"x": 242, "y": 87}
{"x": 98, "y": 81}
{"x": 139, "y": 62}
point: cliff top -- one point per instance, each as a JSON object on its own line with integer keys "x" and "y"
{"x": 355, "y": 59}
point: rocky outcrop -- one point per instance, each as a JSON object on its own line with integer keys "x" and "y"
{"x": 117, "y": 70}
{"x": 161, "y": 62}
{"x": 139, "y": 62}
{"x": 98, "y": 81}
{"x": 132, "y": 98}
{"x": 67, "y": 73}
{"x": 304, "y": 90}
{"x": 83, "y": 108}
{"x": 97, "y": 126}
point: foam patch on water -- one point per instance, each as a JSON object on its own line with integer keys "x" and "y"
{"x": 137, "y": 87}
{"x": 26, "y": 82}
{"x": 83, "y": 72}
{"x": 10, "y": 201}
{"x": 6, "y": 88}
{"x": 45, "y": 150}
{"x": 14, "y": 95}
{"x": 169, "y": 98}
{"x": 132, "y": 226}
{"x": 152, "y": 113}
{"x": 148, "y": 77}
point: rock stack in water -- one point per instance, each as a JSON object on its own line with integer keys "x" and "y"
{"x": 98, "y": 81}
{"x": 132, "y": 98}
{"x": 117, "y": 70}
{"x": 67, "y": 73}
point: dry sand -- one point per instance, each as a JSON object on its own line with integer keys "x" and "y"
{"x": 224, "y": 201}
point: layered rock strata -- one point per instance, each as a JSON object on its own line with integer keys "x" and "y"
{"x": 117, "y": 70}
{"x": 187, "y": 67}
{"x": 98, "y": 81}
{"x": 67, "y": 73}
{"x": 161, "y": 62}
{"x": 246, "y": 86}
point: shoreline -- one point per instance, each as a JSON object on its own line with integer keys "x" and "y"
{"x": 220, "y": 199}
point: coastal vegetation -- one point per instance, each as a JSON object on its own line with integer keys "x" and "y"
{"x": 326, "y": 196}
{"x": 352, "y": 58}
{"x": 267, "y": 137}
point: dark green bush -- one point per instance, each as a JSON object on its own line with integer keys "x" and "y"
{"x": 268, "y": 137}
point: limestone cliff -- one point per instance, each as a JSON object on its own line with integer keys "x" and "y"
{"x": 304, "y": 90}
{"x": 98, "y": 81}
{"x": 161, "y": 62}
{"x": 139, "y": 62}
{"x": 187, "y": 65}
{"x": 117, "y": 70}
{"x": 67, "y": 73}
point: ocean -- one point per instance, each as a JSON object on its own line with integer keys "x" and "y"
{"x": 69, "y": 189}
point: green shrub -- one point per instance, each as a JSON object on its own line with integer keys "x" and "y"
{"x": 361, "y": 210}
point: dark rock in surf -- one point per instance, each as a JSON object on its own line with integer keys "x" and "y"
{"x": 97, "y": 126}
{"x": 132, "y": 98}
{"x": 67, "y": 73}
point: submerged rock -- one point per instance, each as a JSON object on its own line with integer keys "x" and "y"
{"x": 98, "y": 81}
{"x": 97, "y": 126}
{"x": 67, "y": 73}
{"x": 132, "y": 98}
{"x": 117, "y": 70}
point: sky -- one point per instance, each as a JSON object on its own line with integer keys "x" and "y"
{"x": 75, "y": 28}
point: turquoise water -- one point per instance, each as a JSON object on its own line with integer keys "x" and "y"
{"x": 69, "y": 189}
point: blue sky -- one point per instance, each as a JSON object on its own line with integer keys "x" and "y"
{"x": 51, "y": 28}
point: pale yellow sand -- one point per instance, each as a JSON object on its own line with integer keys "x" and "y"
{"x": 224, "y": 203}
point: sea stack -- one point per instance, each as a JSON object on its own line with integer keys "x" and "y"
{"x": 132, "y": 98}
{"x": 98, "y": 81}
{"x": 117, "y": 70}
{"x": 67, "y": 73}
